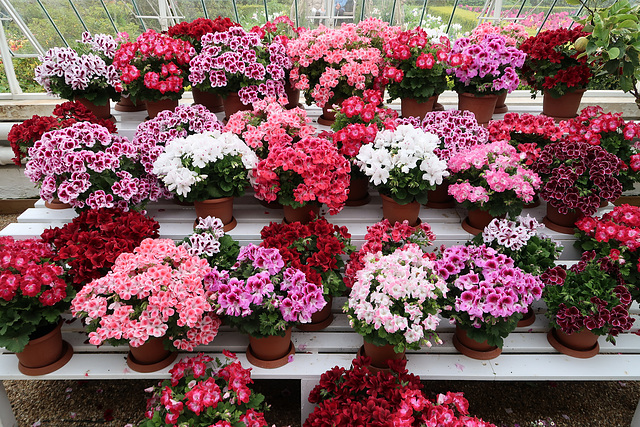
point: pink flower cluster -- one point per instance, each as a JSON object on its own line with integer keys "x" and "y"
{"x": 88, "y": 167}
{"x": 307, "y": 170}
{"x": 155, "y": 291}
{"x": 593, "y": 124}
{"x": 239, "y": 61}
{"x": 457, "y": 130}
{"x": 514, "y": 33}
{"x": 484, "y": 285}
{"x": 259, "y": 282}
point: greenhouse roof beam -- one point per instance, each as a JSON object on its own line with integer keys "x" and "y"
{"x": 17, "y": 19}
{"x": 14, "y": 86}
{"x": 113, "y": 23}
{"x": 73, "y": 6}
{"x": 55, "y": 27}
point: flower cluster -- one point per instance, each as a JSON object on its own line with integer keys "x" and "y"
{"x": 205, "y": 166}
{"x": 514, "y": 33}
{"x": 522, "y": 240}
{"x": 238, "y": 61}
{"x": 553, "y": 63}
{"x": 207, "y": 391}
{"x": 281, "y": 28}
{"x": 457, "y": 130}
{"x": 485, "y": 66}
{"x": 309, "y": 170}
{"x": 357, "y": 397}
{"x": 395, "y": 299}
{"x": 89, "y": 244}
{"x": 23, "y": 135}
{"x": 210, "y": 242}
{"x": 334, "y": 64}
{"x": 88, "y": 167}
{"x": 82, "y": 72}
{"x": 315, "y": 248}
{"x": 262, "y": 297}
{"x": 591, "y": 294}
{"x": 492, "y": 177}
{"x": 415, "y": 65}
{"x": 611, "y": 132}
{"x": 402, "y": 163}
{"x": 615, "y": 235}
{"x": 487, "y": 293}
{"x": 33, "y": 292}
{"x": 270, "y": 124}
{"x": 154, "y": 66}
{"x": 386, "y": 238}
{"x": 577, "y": 175}
{"x": 156, "y": 291}
{"x": 193, "y": 31}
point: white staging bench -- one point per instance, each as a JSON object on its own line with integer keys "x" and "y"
{"x": 526, "y": 355}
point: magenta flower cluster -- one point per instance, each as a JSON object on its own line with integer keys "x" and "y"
{"x": 88, "y": 167}
{"x": 237, "y": 60}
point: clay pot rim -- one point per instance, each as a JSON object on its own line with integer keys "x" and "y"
{"x": 270, "y": 364}
{"x": 67, "y": 353}
{"x": 580, "y": 354}
{"x": 475, "y": 354}
{"x": 151, "y": 367}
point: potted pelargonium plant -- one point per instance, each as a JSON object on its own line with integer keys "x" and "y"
{"x": 415, "y": 70}
{"x": 490, "y": 180}
{"x": 576, "y": 177}
{"x": 331, "y": 65}
{"x": 394, "y": 303}
{"x": 361, "y": 396}
{"x": 554, "y": 66}
{"x": 33, "y": 295}
{"x": 237, "y": 65}
{"x": 263, "y": 298}
{"x": 358, "y": 120}
{"x": 614, "y": 235}
{"x": 303, "y": 175}
{"x": 23, "y": 135}
{"x": 457, "y": 131}
{"x": 206, "y": 391}
{"x": 87, "y": 167}
{"x": 208, "y": 169}
{"x": 317, "y": 249}
{"x": 89, "y": 244}
{"x": 154, "y": 68}
{"x": 486, "y": 297}
{"x": 210, "y": 242}
{"x": 588, "y": 300}
{"x": 523, "y": 240}
{"x": 402, "y": 165}
{"x": 83, "y": 73}
{"x": 481, "y": 70}
{"x": 155, "y": 300}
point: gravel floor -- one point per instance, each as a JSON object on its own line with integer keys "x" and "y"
{"x": 116, "y": 403}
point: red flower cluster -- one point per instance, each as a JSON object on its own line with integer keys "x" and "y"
{"x": 357, "y": 397}
{"x": 26, "y": 272}
{"x": 23, "y": 135}
{"x": 384, "y": 237}
{"x": 193, "y": 31}
{"x": 622, "y": 224}
{"x": 281, "y": 27}
{"x": 315, "y": 248}
{"x": 90, "y": 244}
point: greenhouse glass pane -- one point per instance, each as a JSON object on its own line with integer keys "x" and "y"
{"x": 252, "y": 12}
{"x": 94, "y": 16}
{"x": 148, "y": 8}
{"x": 412, "y": 13}
{"x": 65, "y": 19}
{"x": 123, "y": 14}
{"x": 465, "y": 17}
{"x": 35, "y": 18}
{"x": 380, "y": 9}
{"x": 189, "y": 10}
{"x": 222, "y": 8}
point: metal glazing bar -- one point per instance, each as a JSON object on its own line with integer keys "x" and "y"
{"x": 55, "y": 27}
{"x": 137, "y": 9}
{"x": 521, "y": 8}
{"x": 424, "y": 9}
{"x": 204, "y": 9}
{"x": 544, "y": 21}
{"x": 7, "y": 62}
{"x": 104, "y": 6}
{"x": 577, "y": 14}
{"x": 393, "y": 12}
{"x": 266, "y": 11}
{"x": 17, "y": 19}
{"x": 453, "y": 12}
{"x": 295, "y": 4}
{"x": 361, "y": 10}
{"x": 73, "y": 6}
{"x": 235, "y": 10}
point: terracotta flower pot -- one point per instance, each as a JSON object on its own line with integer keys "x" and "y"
{"x": 56, "y": 204}
{"x": 395, "y": 212}
{"x": 100, "y": 111}
{"x": 501, "y": 106}
{"x": 481, "y": 106}
{"x": 293, "y": 96}
{"x": 212, "y": 101}
{"x": 476, "y": 221}
{"x": 320, "y": 319}
{"x": 411, "y": 108}
{"x": 328, "y": 113}
{"x": 528, "y": 319}
{"x": 154, "y": 107}
{"x": 45, "y": 354}
{"x": 562, "y": 108}
{"x": 221, "y": 208}
{"x": 126, "y": 105}
{"x": 440, "y": 198}
{"x": 358, "y": 192}
{"x": 232, "y": 105}
{"x": 380, "y": 355}
{"x": 302, "y": 214}
{"x": 582, "y": 344}
{"x": 472, "y": 348}
{"x": 562, "y": 223}
{"x": 150, "y": 356}
{"x": 270, "y": 352}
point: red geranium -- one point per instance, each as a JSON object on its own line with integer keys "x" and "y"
{"x": 90, "y": 244}
{"x": 193, "y": 31}
{"x": 23, "y": 135}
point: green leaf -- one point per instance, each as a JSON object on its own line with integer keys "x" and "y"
{"x": 614, "y": 52}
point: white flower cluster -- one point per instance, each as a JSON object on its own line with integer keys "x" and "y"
{"x": 178, "y": 166}
{"x": 206, "y": 238}
{"x": 401, "y": 151}
{"x": 512, "y": 234}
